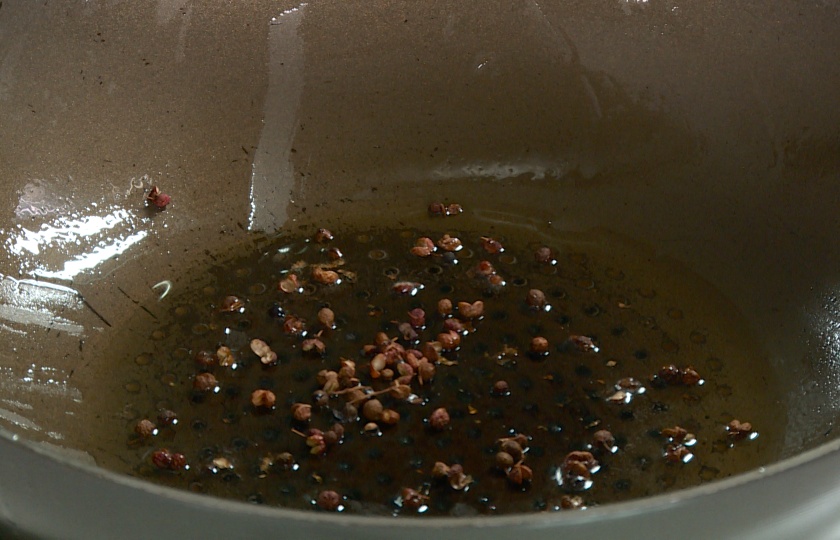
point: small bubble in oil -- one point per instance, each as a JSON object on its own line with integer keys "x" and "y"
{"x": 670, "y": 346}
{"x": 714, "y": 364}
{"x": 578, "y": 258}
{"x": 698, "y": 338}
{"x": 143, "y": 359}
{"x": 647, "y": 293}
{"x": 707, "y": 474}
{"x": 257, "y": 289}
{"x": 199, "y": 329}
{"x": 614, "y": 273}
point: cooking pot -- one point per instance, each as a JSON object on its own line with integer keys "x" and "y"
{"x": 707, "y": 134}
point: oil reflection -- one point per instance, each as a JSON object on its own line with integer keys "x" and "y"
{"x": 68, "y": 245}
{"x": 272, "y": 175}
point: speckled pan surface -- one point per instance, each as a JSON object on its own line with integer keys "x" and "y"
{"x": 706, "y": 132}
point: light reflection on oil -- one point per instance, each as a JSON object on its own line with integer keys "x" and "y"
{"x": 66, "y": 246}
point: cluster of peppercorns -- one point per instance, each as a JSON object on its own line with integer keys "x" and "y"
{"x": 440, "y": 209}
{"x": 737, "y": 430}
{"x": 510, "y": 459}
{"x": 575, "y": 473}
{"x": 453, "y": 474}
{"x": 678, "y": 443}
{"x": 672, "y": 375}
{"x": 400, "y": 363}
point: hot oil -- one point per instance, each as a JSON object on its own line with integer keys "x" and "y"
{"x": 640, "y": 313}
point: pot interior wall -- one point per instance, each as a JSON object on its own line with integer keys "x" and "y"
{"x": 705, "y": 135}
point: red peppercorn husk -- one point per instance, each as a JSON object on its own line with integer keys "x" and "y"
{"x": 440, "y": 470}
{"x": 399, "y": 390}
{"x": 583, "y": 343}
{"x": 453, "y": 209}
{"x": 484, "y": 269}
{"x": 543, "y": 255}
{"x": 261, "y": 349}
{"x": 425, "y": 371}
{"x": 166, "y": 459}
{"x": 263, "y": 398}
{"x": 458, "y": 480}
{"x": 519, "y": 474}
{"x": 535, "y": 298}
{"x": 179, "y": 461}
{"x": 571, "y": 502}
{"x": 432, "y": 350}
{"x": 205, "y": 382}
{"x": 504, "y": 461}
{"x": 412, "y": 499}
{"x": 677, "y": 453}
{"x": 604, "y": 440}
{"x": 577, "y": 468}
{"x": 417, "y": 318}
{"x": 407, "y": 287}
{"x": 491, "y": 245}
{"x": 372, "y": 410}
{"x": 471, "y": 310}
{"x": 324, "y": 277}
{"x": 424, "y": 247}
{"x": 739, "y": 430}
{"x": 231, "y": 304}
{"x": 389, "y": 417}
{"x": 145, "y": 428}
{"x": 323, "y": 235}
{"x": 162, "y": 458}
{"x": 206, "y": 359}
{"x": 670, "y": 374}
{"x": 313, "y": 345}
{"x": 326, "y": 316}
{"x": 449, "y": 340}
{"x": 157, "y": 198}
{"x": 690, "y": 376}
{"x": 302, "y": 412}
{"x": 293, "y": 325}
{"x": 225, "y": 356}
{"x": 439, "y": 419}
{"x": 675, "y": 433}
{"x": 328, "y": 500}
{"x": 513, "y": 448}
{"x": 167, "y": 417}
{"x": 449, "y": 243}
{"x": 437, "y": 209}
{"x": 501, "y": 388}
{"x": 539, "y": 346}
{"x": 453, "y": 325}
